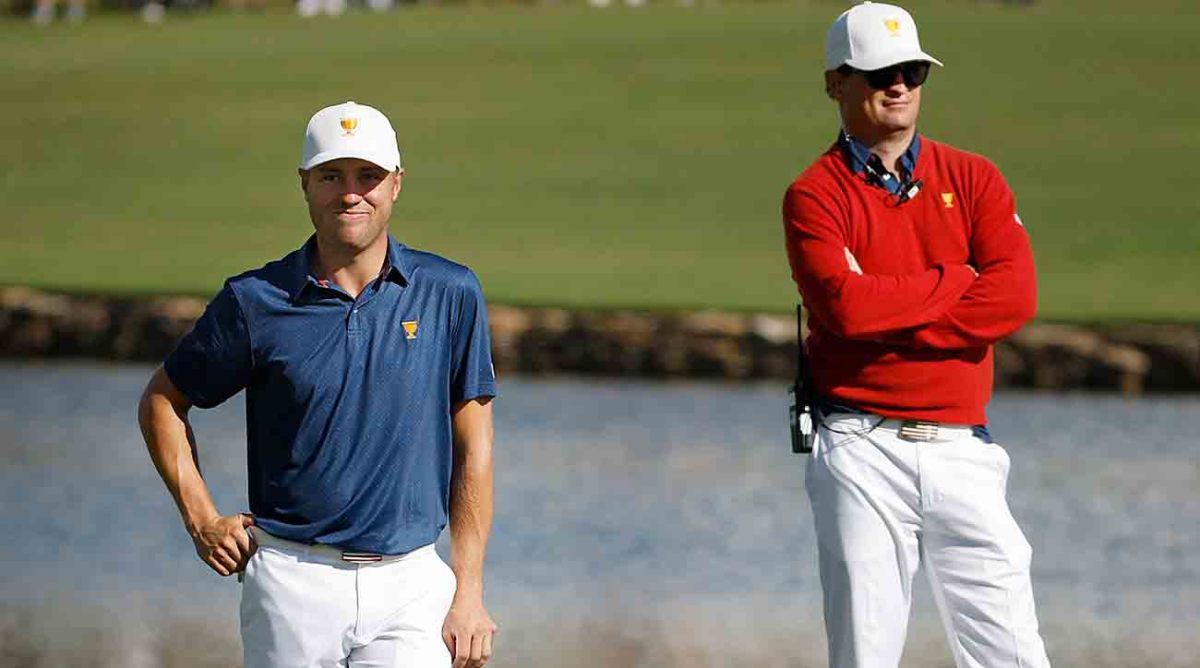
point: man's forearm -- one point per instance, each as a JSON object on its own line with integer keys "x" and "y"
{"x": 221, "y": 542}
{"x": 169, "y": 439}
{"x": 979, "y": 320}
{"x": 471, "y": 496}
{"x": 844, "y": 293}
{"x": 868, "y": 306}
{"x": 470, "y": 524}
{"x": 1000, "y": 302}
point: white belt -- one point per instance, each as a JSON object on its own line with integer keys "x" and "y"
{"x": 329, "y": 552}
{"x": 908, "y": 430}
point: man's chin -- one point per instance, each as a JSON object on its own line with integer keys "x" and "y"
{"x": 368, "y": 235}
{"x": 894, "y": 125}
{"x": 898, "y": 120}
{"x": 351, "y": 236}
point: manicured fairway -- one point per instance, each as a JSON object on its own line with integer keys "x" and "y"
{"x": 588, "y": 157}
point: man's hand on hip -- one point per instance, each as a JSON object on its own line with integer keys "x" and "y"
{"x": 224, "y": 544}
{"x": 468, "y": 632}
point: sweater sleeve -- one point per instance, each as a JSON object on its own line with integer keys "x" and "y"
{"x": 1005, "y": 295}
{"x": 850, "y": 304}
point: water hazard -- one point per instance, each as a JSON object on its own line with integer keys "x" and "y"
{"x": 638, "y": 524}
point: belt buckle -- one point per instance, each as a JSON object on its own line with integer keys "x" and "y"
{"x": 918, "y": 430}
{"x": 361, "y": 557}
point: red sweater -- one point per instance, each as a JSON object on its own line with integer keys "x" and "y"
{"x": 911, "y": 336}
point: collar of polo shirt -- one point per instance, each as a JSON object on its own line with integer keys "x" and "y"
{"x": 393, "y": 267}
{"x": 858, "y": 156}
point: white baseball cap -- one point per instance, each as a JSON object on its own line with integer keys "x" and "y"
{"x": 350, "y": 130}
{"x": 872, "y": 36}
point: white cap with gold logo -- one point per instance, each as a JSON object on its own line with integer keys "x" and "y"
{"x": 872, "y": 36}
{"x": 350, "y": 130}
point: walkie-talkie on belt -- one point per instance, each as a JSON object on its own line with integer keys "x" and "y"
{"x": 803, "y": 395}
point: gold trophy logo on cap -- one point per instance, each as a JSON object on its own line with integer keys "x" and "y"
{"x": 349, "y": 124}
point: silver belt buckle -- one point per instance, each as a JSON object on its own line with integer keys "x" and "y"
{"x": 361, "y": 557}
{"x": 918, "y": 430}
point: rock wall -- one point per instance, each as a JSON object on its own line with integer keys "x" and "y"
{"x": 707, "y": 344}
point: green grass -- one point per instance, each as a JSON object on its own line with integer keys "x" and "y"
{"x": 583, "y": 157}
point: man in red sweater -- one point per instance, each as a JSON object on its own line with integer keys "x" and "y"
{"x": 912, "y": 262}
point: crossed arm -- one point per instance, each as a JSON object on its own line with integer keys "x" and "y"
{"x": 221, "y": 541}
{"x": 1001, "y": 299}
{"x": 853, "y": 303}
{"x": 948, "y": 306}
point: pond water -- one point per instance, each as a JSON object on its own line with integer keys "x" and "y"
{"x": 637, "y": 524}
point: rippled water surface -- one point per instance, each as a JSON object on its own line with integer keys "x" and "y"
{"x": 638, "y": 524}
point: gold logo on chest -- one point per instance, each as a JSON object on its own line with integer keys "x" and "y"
{"x": 410, "y": 329}
{"x": 948, "y": 200}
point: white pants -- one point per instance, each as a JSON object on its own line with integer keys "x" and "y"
{"x": 303, "y": 606}
{"x": 884, "y": 506}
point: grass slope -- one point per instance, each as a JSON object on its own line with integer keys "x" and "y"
{"x": 584, "y": 157}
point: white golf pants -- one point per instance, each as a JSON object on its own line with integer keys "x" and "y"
{"x": 304, "y": 606}
{"x": 883, "y": 506}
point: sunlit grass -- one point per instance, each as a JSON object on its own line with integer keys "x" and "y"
{"x": 586, "y": 157}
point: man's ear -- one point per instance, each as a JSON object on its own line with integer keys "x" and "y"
{"x": 303, "y": 174}
{"x": 396, "y": 193}
{"x": 833, "y": 84}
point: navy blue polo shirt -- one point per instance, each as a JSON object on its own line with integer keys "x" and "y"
{"x": 347, "y": 400}
{"x": 861, "y": 159}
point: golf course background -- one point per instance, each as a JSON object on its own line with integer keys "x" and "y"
{"x": 582, "y": 157}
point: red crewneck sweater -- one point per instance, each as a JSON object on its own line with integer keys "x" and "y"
{"x": 911, "y": 336}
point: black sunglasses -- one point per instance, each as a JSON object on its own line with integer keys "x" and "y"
{"x": 913, "y": 73}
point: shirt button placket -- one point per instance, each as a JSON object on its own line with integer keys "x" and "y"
{"x": 357, "y": 339}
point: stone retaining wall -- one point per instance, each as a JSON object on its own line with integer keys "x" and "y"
{"x": 1128, "y": 358}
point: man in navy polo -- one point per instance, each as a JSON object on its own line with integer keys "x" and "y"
{"x": 368, "y": 377}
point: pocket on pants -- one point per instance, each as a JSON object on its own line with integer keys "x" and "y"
{"x": 251, "y": 564}
{"x": 448, "y": 578}
{"x": 1003, "y": 461}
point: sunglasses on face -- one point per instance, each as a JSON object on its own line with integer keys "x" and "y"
{"x": 913, "y": 73}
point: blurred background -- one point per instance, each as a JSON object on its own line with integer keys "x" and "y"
{"x": 579, "y": 155}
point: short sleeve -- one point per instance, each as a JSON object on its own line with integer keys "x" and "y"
{"x": 212, "y": 362}
{"x": 472, "y": 374}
